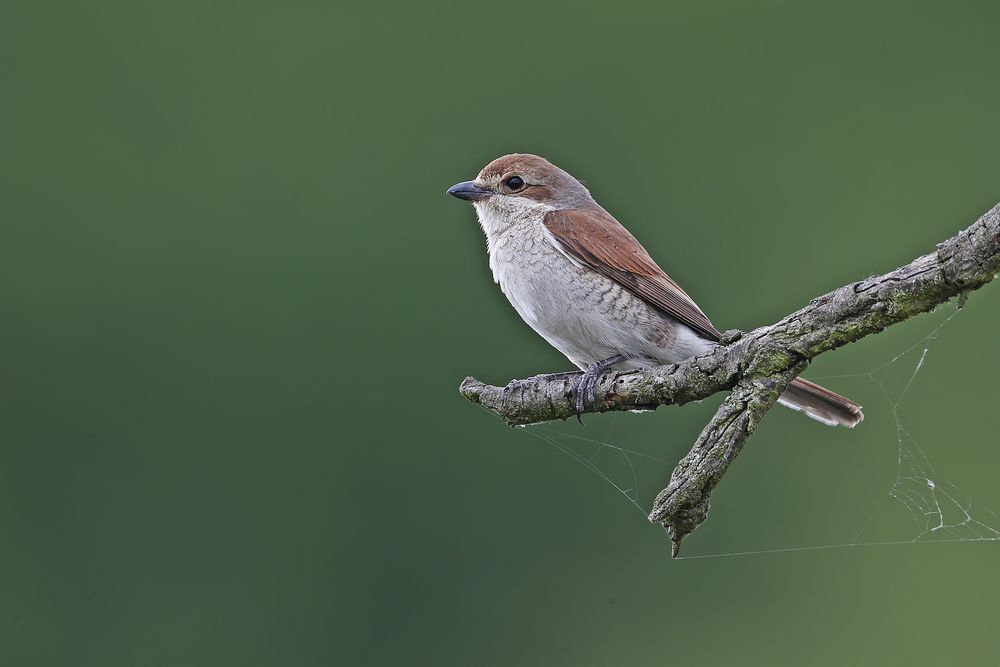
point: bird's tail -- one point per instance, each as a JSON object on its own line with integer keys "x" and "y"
{"x": 821, "y": 404}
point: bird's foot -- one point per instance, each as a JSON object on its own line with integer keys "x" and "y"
{"x": 586, "y": 389}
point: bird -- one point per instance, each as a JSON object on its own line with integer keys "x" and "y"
{"x": 584, "y": 283}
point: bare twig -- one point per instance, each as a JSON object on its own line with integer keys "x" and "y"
{"x": 756, "y": 365}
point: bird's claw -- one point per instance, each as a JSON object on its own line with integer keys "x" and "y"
{"x": 586, "y": 389}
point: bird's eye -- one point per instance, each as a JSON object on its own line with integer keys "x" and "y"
{"x": 514, "y": 183}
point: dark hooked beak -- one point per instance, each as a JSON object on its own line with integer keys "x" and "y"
{"x": 468, "y": 191}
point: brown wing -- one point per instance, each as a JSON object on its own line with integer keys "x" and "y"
{"x": 595, "y": 239}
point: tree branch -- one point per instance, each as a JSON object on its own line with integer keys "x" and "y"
{"x": 756, "y": 366}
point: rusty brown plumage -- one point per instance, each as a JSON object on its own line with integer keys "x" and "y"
{"x": 597, "y": 240}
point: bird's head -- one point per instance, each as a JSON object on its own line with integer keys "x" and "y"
{"x": 519, "y": 184}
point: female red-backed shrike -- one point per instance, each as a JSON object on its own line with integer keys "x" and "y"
{"x": 583, "y": 282}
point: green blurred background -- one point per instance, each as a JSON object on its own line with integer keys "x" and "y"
{"x": 236, "y": 306}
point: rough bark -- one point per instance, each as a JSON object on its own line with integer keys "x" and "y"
{"x": 756, "y": 366}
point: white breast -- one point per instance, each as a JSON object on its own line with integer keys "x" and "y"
{"x": 583, "y": 314}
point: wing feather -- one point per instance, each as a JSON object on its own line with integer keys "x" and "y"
{"x": 593, "y": 238}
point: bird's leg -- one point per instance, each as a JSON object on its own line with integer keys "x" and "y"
{"x": 586, "y": 388}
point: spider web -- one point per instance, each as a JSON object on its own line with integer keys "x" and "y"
{"x": 938, "y": 510}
